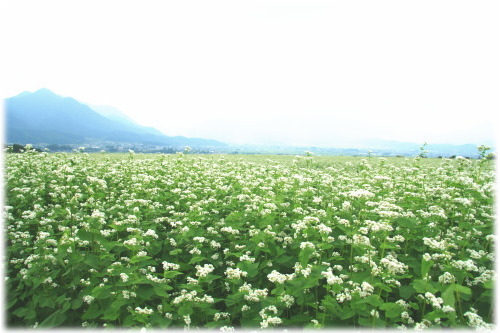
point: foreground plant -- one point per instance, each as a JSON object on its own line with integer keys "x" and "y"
{"x": 223, "y": 242}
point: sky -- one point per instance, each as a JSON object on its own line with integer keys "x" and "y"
{"x": 321, "y": 73}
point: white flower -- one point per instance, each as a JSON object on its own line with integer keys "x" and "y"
{"x": 234, "y": 273}
{"x": 124, "y": 277}
{"x": 393, "y": 265}
{"x": 361, "y": 193}
{"x": 88, "y": 299}
{"x": 303, "y": 245}
{"x": 145, "y": 311}
{"x": 277, "y": 277}
{"x": 167, "y": 266}
{"x": 475, "y": 321}
{"x": 446, "y": 278}
{"x": 203, "y": 271}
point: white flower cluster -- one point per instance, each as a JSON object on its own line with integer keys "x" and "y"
{"x": 124, "y": 277}
{"x": 277, "y": 277}
{"x": 392, "y": 265}
{"x": 131, "y": 242}
{"x": 433, "y": 300}
{"x": 266, "y": 319}
{"x": 169, "y": 266}
{"x": 246, "y": 257}
{"x": 435, "y": 244}
{"x": 145, "y": 311}
{"x": 287, "y": 299}
{"x": 88, "y": 299}
{"x": 234, "y": 273}
{"x": 151, "y": 233}
{"x": 446, "y": 278}
{"x": 191, "y": 296}
{"x": 127, "y": 294}
{"x": 487, "y": 275}
{"x": 361, "y": 193}
{"x": 220, "y": 315}
{"x": 230, "y": 230}
{"x": 467, "y": 265}
{"x": 331, "y": 278}
{"x": 254, "y": 295}
{"x": 378, "y": 226}
{"x": 303, "y": 245}
{"x": 475, "y": 321}
{"x": 203, "y": 271}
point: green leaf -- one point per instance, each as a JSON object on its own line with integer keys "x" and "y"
{"x": 136, "y": 259}
{"x": 170, "y": 274}
{"x": 113, "y": 311}
{"x": 304, "y": 255}
{"x": 128, "y": 321}
{"x": 406, "y": 291}
{"x": 196, "y": 259}
{"x": 92, "y": 312}
{"x": 302, "y": 283}
{"x": 425, "y": 267}
{"x": 11, "y": 303}
{"x": 422, "y": 286}
{"x": 101, "y": 292}
{"x": 373, "y": 300}
{"x": 392, "y": 310}
{"x": 463, "y": 289}
{"x": 283, "y": 259}
{"x": 234, "y": 299}
{"x": 448, "y": 296}
{"x": 250, "y": 322}
{"x": 55, "y": 319}
{"x": 185, "y": 309}
{"x": 210, "y": 278}
{"x": 26, "y": 313}
{"x": 488, "y": 284}
{"x": 145, "y": 291}
{"x": 161, "y": 289}
{"x": 486, "y": 296}
{"x": 330, "y": 304}
{"x": 382, "y": 286}
{"x": 175, "y": 252}
{"x": 406, "y": 222}
{"x": 92, "y": 260}
{"x": 304, "y": 298}
{"x": 387, "y": 246}
{"x": 250, "y": 267}
{"x": 346, "y": 314}
{"x": 368, "y": 322}
{"x": 46, "y": 302}
{"x": 66, "y": 305}
{"x": 76, "y": 303}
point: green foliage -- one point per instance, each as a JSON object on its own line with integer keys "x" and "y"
{"x": 216, "y": 242}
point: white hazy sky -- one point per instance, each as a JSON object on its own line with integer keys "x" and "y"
{"x": 295, "y": 72}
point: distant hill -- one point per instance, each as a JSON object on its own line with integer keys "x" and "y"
{"x": 113, "y": 113}
{"x": 411, "y": 148}
{"x": 43, "y": 117}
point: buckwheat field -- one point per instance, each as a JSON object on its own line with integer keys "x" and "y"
{"x": 228, "y": 242}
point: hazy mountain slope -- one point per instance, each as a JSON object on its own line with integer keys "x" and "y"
{"x": 115, "y": 114}
{"x": 44, "y": 117}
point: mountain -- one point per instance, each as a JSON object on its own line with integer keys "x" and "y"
{"x": 43, "y": 117}
{"x": 113, "y": 113}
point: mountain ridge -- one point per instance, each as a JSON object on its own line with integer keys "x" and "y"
{"x": 43, "y": 117}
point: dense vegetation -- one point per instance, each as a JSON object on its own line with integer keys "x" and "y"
{"x": 129, "y": 240}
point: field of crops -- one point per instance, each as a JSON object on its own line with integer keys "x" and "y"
{"x": 191, "y": 241}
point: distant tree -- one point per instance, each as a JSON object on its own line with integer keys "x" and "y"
{"x": 17, "y": 148}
